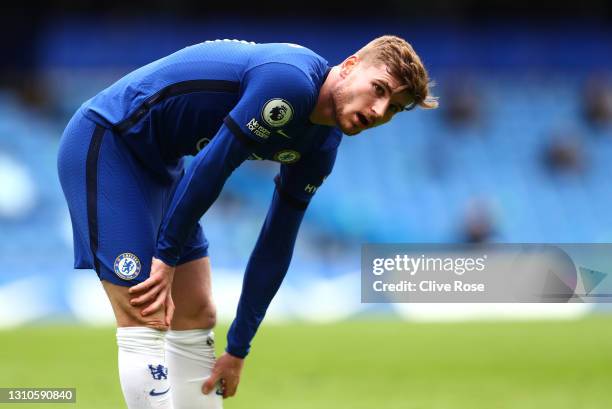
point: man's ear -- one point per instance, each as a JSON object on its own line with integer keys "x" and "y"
{"x": 348, "y": 65}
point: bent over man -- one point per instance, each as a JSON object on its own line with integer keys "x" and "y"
{"x": 135, "y": 209}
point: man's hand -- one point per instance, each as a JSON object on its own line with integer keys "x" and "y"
{"x": 226, "y": 371}
{"x": 156, "y": 290}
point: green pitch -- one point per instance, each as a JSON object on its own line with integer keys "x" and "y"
{"x": 354, "y": 365}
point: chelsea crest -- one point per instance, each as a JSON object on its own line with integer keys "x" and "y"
{"x": 127, "y": 266}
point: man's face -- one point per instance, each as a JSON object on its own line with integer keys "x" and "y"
{"x": 366, "y": 97}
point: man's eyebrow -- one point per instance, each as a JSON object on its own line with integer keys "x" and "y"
{"x": 385, "y": 84}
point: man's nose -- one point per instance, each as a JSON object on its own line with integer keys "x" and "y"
{"x": 378, "y": 109}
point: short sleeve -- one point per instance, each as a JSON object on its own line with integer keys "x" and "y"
{"x": 274, "y": 96}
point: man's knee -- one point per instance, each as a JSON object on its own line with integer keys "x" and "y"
{"x": 207, "y": 315}
{"x": 200, "y": 315}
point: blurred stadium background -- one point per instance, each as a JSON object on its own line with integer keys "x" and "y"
{"x": 520, "y": 151}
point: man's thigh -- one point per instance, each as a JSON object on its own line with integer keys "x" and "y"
{"x": 192, "y": 295}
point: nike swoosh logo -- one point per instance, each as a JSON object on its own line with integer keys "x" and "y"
{"x": 280, "y": 131}
{"x": 153, "y": 393}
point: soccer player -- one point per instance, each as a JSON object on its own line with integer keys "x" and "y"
{"x": 135, "y": 210}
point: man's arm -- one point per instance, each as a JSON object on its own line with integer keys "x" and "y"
{"x": 198, "y": 190}
{"x": 195, "y": 193}
{"x": 264, "y": 274}
{"x": 269, "y": 261}
{"x": 266, "y": 269}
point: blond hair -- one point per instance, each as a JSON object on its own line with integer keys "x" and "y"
{"x": 404, "y": 64}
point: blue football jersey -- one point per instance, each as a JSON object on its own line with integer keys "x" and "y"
{"x": 225, "y": 102}
{"x": 174, "y": 106}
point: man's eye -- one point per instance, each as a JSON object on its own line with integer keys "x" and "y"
{"x": 379, "y": 90}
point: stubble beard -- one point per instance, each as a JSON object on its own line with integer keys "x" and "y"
{"x": 341, "y": 98}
